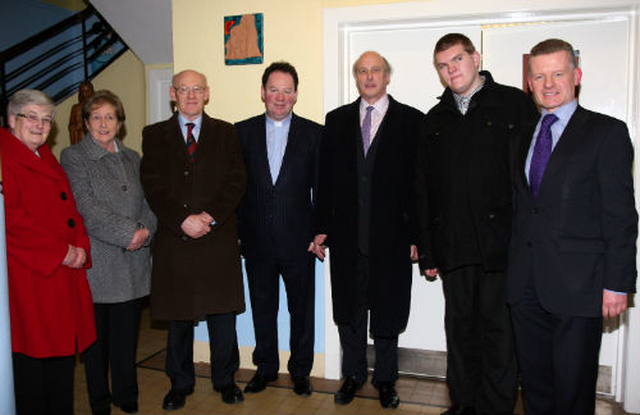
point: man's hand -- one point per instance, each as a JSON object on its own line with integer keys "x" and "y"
{"x": 431, "y": 272}
{"x": 197, "y": 226}
{"x": 414, "y": 253}
{"x": 318, "y": 247}
{"x": 75, "y": 258}
{"x": 613, "y": 304}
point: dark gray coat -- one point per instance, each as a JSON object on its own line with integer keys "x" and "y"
{"x": 110, "y": 199}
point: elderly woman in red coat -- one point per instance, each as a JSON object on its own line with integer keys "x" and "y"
{"x": 47, "y": 254}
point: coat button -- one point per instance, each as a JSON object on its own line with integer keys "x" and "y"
{"x": 184, "y": 237}
{"x": 492, "y": 216}
{"x": 489, "y": 123}
{"x": 534, "y": 211}
{"x": 124, "y": 187}
{"x": 71, "y": 223}
{"x": 186, "y": 173}
{"x": 63, "y": 196}
{"x": 529, "y": 244}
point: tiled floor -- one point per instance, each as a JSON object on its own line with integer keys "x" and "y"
{"x": 418, "y": 396}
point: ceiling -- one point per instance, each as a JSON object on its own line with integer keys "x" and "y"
{"x": 144, "y": 25}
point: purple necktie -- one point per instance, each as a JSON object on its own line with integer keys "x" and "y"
{"x": 191, "y": 141}
{"x": 541, "y": 154}
{"x": 366, "y": 130}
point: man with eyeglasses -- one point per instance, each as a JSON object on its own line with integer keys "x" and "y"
{"x": 194, "y": 178}
{"x": 366, "y": 217}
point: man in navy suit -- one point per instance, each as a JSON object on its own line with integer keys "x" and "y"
{"x": 366, "y": 215}
{"x": 280, "y": 151}
{"x": 572, "y": 258}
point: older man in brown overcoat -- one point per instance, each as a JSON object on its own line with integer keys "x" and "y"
{"x": 194, "y": 178}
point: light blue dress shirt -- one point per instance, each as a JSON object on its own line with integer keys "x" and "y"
{"x": 277, "y": 136}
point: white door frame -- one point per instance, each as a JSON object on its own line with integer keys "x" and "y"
{"x": 338, "y": 22}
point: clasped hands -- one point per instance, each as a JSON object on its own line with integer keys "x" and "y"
{"x": 197, "y": 225}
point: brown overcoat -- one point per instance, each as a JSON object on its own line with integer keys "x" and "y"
{"x": 192, "y": 278}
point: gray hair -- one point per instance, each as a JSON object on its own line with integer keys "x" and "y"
{"x": 25, "y": 97}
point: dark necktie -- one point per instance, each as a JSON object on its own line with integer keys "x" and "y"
{"x": 191, "y": 141}
{"x": 366, "y": 130}
{"x": 541, "y": 154}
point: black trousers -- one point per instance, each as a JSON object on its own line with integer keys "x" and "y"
{"x": 353, "y": 339}
{"x": 117, "y": 327}
{"x": 264, "y": 289}
{"x": 43, "y": 386}
{"x": 558, "y": 358}
{"x": 481, "y": 359}
{"x": 223, "y": 345}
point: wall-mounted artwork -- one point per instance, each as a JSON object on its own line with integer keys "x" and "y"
{"x": 243, "y": 39}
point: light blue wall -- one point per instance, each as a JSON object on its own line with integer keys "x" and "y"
{"x": 246, "y": 335}
{"x": 21, "y": 19}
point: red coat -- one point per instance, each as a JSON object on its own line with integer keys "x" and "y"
{"x": 50, "y": 304}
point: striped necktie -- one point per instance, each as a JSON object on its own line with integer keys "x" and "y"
{"x": 191, "y": 141}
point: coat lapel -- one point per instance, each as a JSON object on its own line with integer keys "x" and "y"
{"x": 291, "y": 147}
{"x": 260, "y": 132}
{"x": 175, "y": 140}
{"x": 569, "y": 140}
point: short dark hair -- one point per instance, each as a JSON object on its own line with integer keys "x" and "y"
{"x": 451, "y": 39}
{"x": 554, "y": 45}
{"x": 100, "y": 98}
{"x": 280, "y": 66}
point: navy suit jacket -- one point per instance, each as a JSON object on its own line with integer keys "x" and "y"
{"x": 579, "y": 236}
{"x": 279, "y": 219}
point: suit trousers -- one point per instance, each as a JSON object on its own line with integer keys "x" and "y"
{"x": 264, "y": 289}
{"x": 117, "y": 327}
{"x": 43, "y": 385}
{"x": 558, "y": 356}
{"x": 481, "y": 360}
{"x": 353, "y": 339}
{"x": 223, "y": 346}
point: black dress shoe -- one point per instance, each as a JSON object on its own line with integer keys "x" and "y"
{"x": 130, "y": 407}
{"x": 175, "y": 399}
{"x": 301, "y": 385}
{"x": 347, "y": 391}
{"x": 258, "y": 383}
{"x": 388, "y": 395}
{"x": 231, "y": 394}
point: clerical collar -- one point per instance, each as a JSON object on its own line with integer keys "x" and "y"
{"x": 284, "y": 121}
{"x": 462, "y": 102}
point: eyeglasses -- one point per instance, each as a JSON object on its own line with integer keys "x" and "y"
{"x": 184, "y": 90}
{"x": 34, "y": 119}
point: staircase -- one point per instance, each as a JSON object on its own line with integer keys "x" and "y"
{"x": 58, "y": 59}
